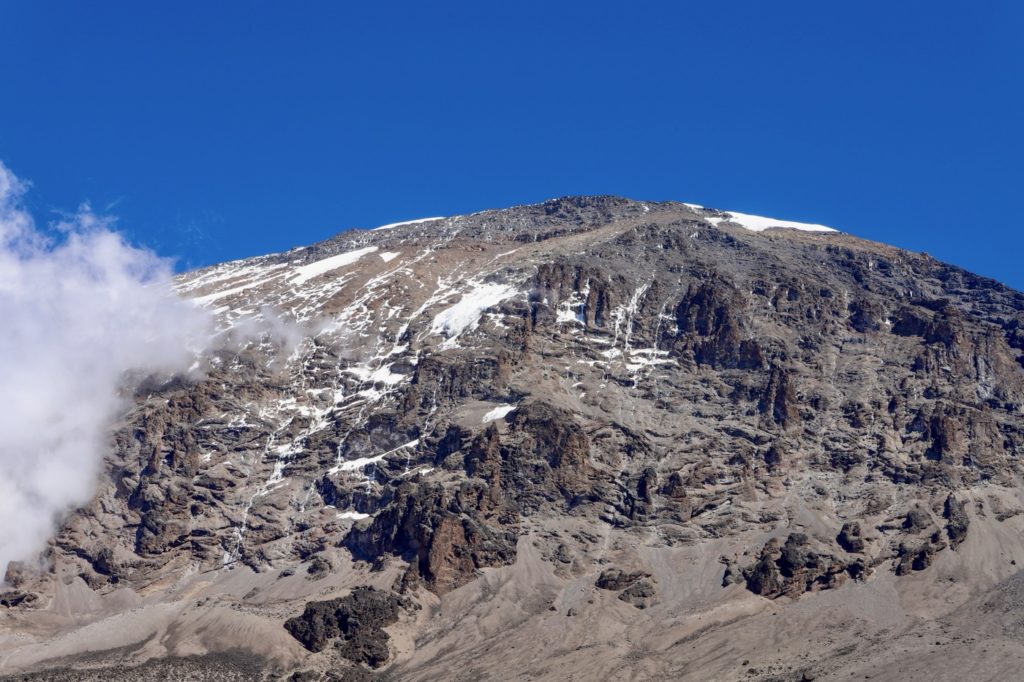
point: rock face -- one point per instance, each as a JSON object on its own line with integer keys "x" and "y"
{"x": 794, "y": 568}
{"x": 494, "y": 415}
{"x": 957, "y": 520}
{"x": 850, "y": 538}
{"x": 354, "y": 623}
{"x": 617, "y": 579}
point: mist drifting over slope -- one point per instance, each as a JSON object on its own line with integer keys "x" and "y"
{"x": 79, "y": 310}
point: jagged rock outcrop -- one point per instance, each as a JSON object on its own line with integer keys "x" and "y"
{"x": 444, "y": 537}
{"x": 957, "y": 520}
{"x": 793, "y": 567}
{"x": 354, "y": 624}
{"x": 640, "y": 594}
{"x": 617, "y": 579}
{"x": 850, "y": 538}
{"x": 917, "y": 557}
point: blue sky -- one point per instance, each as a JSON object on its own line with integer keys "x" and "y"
{"x": 217, "y": 130}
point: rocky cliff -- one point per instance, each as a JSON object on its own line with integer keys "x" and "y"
{"x": 590, "y": 438}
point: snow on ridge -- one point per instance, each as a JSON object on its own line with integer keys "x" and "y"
{"x": 465, "y": 315}
{"x": 304, "y": 273}
{"x": 408, "y": 222}
{"x": 249, "y": 278}
{"x": 758, "y": 223}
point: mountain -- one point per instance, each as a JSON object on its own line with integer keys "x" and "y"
{"x": 593, "y": 438}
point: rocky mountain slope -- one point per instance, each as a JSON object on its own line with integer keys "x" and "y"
{"x": 593, "y": 438}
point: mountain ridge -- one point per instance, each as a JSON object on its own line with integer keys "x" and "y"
{"x": 588, "y": 437}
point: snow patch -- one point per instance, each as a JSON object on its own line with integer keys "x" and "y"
{"x": 357, "y": 464}
{"x": 757, "y": 223}
{"x": 408, "y": 222}
{"x": 571, "y": 309}
{"x": 498, "y": 412}
{"x": 305, "y": 273}
{"x": 380, "y": 374}
{"x": 465, "y": 315}
{"x": 354, "y": 515}
{"x": 217, "y": 295}
{"x": 388, "y": 256}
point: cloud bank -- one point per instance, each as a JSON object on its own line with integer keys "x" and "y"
{"x": 78, "y": 311}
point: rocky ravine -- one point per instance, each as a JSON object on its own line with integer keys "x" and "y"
{"x": 593, "y": 438}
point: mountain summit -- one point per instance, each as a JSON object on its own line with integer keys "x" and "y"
{"x": 592, "y": 438}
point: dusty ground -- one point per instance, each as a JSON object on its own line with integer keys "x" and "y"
{"x": 524, "y": 622}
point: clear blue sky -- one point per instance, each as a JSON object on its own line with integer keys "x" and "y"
{"x": 217, "y": 130}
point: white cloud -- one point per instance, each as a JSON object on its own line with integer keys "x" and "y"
{"x": 78, "y": 312}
